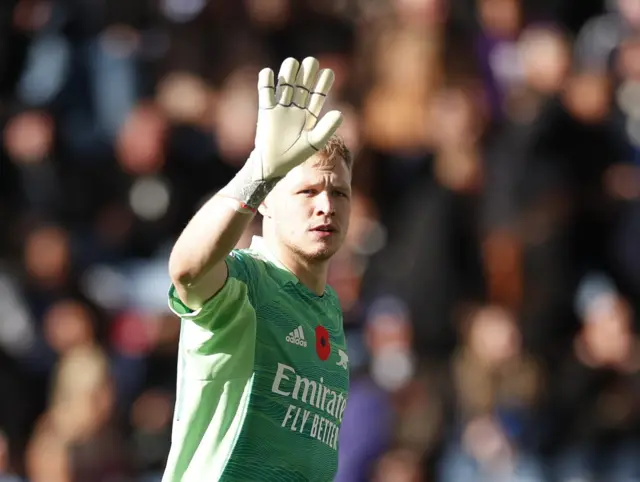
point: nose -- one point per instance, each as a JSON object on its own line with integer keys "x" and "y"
{"x": 324, "y": 205}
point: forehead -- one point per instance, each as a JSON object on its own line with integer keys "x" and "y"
{"x": 315, "y": 170}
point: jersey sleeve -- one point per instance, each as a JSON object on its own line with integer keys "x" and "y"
{"x": 236, "y": 299}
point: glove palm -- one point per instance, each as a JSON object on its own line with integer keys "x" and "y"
{"x": 288, "y": 130}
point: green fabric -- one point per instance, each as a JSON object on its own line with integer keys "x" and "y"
{"x": 255, "y": 400}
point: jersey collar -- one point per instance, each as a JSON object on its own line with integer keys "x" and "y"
{"x": 259, "y": 246}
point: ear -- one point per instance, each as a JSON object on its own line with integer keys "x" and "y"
{"x": 264, "y": 209}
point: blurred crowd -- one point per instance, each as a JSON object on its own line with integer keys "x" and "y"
{"x": 491, "y": 276}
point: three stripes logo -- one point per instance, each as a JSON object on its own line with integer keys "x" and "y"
{"x": 296, "y": 337}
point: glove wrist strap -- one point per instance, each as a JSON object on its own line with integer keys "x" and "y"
{"x": 248, "y": 188}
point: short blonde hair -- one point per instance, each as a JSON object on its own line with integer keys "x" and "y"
{"x": 335, "y": 149}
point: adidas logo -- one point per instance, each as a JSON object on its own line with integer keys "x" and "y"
{"x": 297, "y": 337}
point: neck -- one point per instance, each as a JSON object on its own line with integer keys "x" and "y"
{"x": 311, "y": 274}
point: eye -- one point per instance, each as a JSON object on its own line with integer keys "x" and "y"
{"x": 341, "y": 194}
{"x": 307, "y": 192}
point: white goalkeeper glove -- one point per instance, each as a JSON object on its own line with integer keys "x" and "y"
{"x": 288, "y": 131}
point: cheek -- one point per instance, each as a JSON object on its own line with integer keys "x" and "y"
{"x": 291, "y": 216}
{"x": 296, "y": 209}
{"x": 345, "y": 215}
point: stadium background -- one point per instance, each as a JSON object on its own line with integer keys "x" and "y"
{"x": 491, "y": 278}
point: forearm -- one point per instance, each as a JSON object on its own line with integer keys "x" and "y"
{"x": 208, "y": 238}
{"x": 196, "y": 264}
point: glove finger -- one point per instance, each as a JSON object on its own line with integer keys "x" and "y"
{"x": 266, "y": 89}
{"x": 305, "y": 81}
{"x": 286, "y": 80}
{"x": 318, "y": 96}
{"x": 326, "y": 127}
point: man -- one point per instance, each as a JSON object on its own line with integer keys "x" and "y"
{"x": 263, "y": 372}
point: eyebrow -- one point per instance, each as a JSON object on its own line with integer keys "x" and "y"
{"x": 305, "y": 184}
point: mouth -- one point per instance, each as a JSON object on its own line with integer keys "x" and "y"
{"x": 324, "y": 228}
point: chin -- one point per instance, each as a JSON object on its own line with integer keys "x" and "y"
{"x": 322, "y": 254}
{"x": 320, "y": 251}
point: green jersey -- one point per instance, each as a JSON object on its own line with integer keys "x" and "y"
{"x": 262, "y": 379}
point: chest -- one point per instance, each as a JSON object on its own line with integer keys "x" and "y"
{"x": 301, "y": 342}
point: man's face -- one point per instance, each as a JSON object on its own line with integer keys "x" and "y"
{"x": 310, "y": 209}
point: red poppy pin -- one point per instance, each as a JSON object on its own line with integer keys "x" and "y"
{"x": 323, "y": 348}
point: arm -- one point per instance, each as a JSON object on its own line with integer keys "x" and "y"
{"x": 196, "y": 264}
{"x": 287, "y": 134}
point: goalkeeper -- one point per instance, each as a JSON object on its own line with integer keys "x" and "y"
{"x": 262, "y": 367}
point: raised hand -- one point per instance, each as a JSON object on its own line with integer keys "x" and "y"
{"x": 289, "y": 130}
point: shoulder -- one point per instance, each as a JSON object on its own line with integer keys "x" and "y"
{"x": 253, "y": 254}
{"x": 263, "y": 264}
{"x": 244, "y": 262}
{"x": 330, "y": 293}
{"x": 332, "y": 298}
{"x": 252, "y": 261}
{"x": 256, "y": 270}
